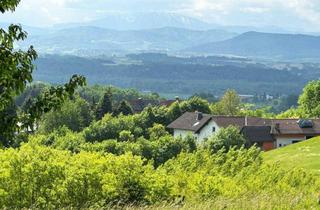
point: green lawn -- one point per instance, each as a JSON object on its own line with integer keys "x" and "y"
{"x": 302, "y": 155}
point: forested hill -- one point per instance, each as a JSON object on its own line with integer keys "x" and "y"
{"x": 268, "y": 45}
{"x": 174, "y": 75}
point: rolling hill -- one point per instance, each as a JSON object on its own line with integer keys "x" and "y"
{"x": 265, "y": 45}
{"x": 304, "y": 155}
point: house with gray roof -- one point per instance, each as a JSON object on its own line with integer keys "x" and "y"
{"x": 265, "y": 133}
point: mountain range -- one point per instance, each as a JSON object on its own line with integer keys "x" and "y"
{"x": 147, "y": 20}
{"x": 95, "y": 40}
{"x": 265, "y": 45}
{"x": 142, "y": 21}
{"x": 169, "y": 33}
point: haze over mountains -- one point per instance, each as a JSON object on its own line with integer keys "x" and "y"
{"x": 169, "y": 33}
{"x": 131, "y": 51}
{"x": 142, "y": 21}
{"x": 101, "y": 40}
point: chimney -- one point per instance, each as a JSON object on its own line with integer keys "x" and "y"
{"x": 199, "y": 116}
{"x": 246, "y": 121}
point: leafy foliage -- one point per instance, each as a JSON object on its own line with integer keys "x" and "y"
{"x": 16, "y": 67}
{"x": 8, "y": 125}
{"x": 228, "y": 105}
{"x": 41, "y": 177}
{"x": 74, "y": 114}
{"x": 225, "y": 139}
{"x": 195, "y": 104}
{"x": 50, "y": 99}
{"x": 309, "y": 100}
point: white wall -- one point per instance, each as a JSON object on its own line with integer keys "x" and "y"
{"x": 284, "y": 141}
{"x": 204, "y": 133}
{"x": 207, "y": 131}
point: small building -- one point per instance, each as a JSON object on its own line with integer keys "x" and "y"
{"x": 266, "y": 133}
{"x": 138, "y": 105}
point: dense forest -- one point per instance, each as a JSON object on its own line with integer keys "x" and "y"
{"x": 169, "y": 75}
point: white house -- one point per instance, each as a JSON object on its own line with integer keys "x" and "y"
{"x": 266, "y": 133}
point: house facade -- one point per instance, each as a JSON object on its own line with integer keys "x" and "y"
{"x": 265, "y": 133}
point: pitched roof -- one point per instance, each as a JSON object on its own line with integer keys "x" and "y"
{"x": 167, "y": 103}
{"x": 291, "y": 126}
{"x": 139, "y": 104}
{"x": 188, "y": 121}
{"x": 257, "y": 133}
{"x": 225, "y": 121}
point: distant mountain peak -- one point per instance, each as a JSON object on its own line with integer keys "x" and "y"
{"x": 144, "y": 20}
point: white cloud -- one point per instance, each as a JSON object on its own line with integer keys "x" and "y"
{"x": 304, "y": 14}
{"x": 308, "y": 10}
{"x": 255, "y": 9}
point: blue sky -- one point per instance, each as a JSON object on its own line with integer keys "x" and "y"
{"x": 303, "y": 15}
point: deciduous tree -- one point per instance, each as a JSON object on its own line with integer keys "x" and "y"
{"x": 309, "y": 101}
{"x": 16, "y": 67}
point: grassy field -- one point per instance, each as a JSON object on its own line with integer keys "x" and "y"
{"x": 249, "y": 202}
{"x": 304, "y": 155}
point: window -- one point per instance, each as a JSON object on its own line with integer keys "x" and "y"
{"x": 213, "y": 129}
{"x": 280, "y": 145}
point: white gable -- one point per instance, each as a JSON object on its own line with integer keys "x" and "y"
{"x": 208, "y": 130}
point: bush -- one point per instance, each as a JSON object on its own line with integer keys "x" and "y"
{"x": 44, "y": 178}
{"x": 74, "y": 114}
{"x": 226, "y": 138}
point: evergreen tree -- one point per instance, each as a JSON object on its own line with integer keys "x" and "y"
{"x": 105, "y": 105}
{"x": 124, "y": 108}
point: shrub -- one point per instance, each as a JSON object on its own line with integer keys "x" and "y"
{"x": 226, "y": 138}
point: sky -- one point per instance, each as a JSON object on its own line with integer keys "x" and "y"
{"x": 303, "y": 15}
